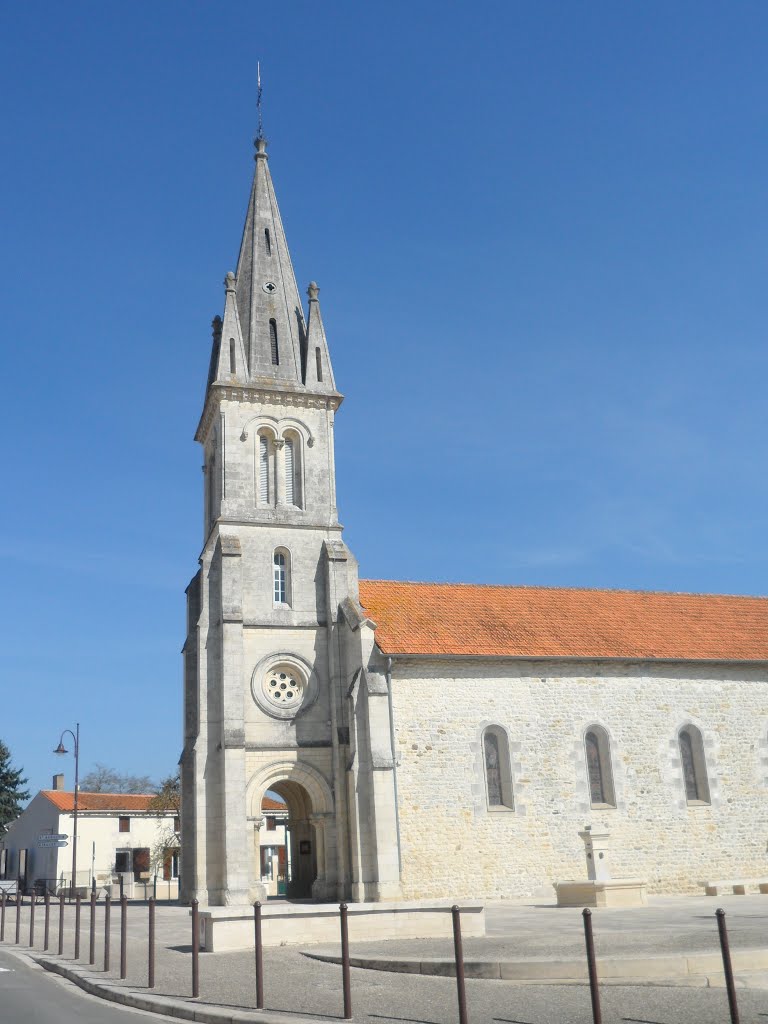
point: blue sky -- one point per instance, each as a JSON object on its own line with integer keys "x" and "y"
{"x": 540, "y": 235}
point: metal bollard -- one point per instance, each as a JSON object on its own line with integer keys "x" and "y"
{"x": 259, "y": 954}
{"x": 151, "y": 947}
{"x": 123, "y": 936}
{"x": 92, "y": 944}
{"x": 725, "y": 949}
{"x": 32, "y": 921}
{"x": 458, "y": 950}
{"x": 195, "y": 951}
{"x": 61, "y": 923}
{"x": 2, "y": 916}
{"x": 594, "y": 991}
{"x": 107, "y": 935}
{"x": 77, "y": 926}
{"x": 19, "y": 904}
{"x": 345, "y": 961}
{"x": 47, "y": 924}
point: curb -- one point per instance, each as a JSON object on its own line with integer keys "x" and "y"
{"x": 683, "y": 969}
{"x": 168, "y": 1006}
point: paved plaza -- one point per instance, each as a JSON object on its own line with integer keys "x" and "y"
{"x": 298, "y": 984}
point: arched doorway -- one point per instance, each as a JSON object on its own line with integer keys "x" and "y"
{"x": 300, "y": 840}
{"x": 309, "y": 861}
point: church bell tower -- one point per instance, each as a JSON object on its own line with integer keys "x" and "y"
{"x": 267, "y": 671}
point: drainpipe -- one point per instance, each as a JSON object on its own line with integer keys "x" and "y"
{"x": 394, "y": 764}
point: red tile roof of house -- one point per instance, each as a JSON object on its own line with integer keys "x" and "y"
{"x": 99, "y": 801}
{"x": 268, "y": 804}
{"x": 540, "y": 622}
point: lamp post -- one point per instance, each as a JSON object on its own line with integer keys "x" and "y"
{"x": 61, "y": 749}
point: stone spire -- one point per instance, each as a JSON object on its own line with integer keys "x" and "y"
{"x": 319, "y": 372}
{"x": 228, "y": 361}
{"x": 267, "y": 299}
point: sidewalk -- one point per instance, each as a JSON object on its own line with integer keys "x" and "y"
{"x": 296, "y": 984}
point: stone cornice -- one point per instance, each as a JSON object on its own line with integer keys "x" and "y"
{"x": 260, "y": 396}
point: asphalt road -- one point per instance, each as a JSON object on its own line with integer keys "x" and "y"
{"x": 30, "y": 995}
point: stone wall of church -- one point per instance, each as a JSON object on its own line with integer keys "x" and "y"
{"x": 454, "y": 845}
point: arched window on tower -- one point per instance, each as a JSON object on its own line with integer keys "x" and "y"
{"x": 232, "y": 363}
{"x": 274, "y": 351}
{"x": 267, "y": 242}
{"x": 319, "y": 364}
{"x": 597, "y": 750}
{"x": 292, "y": 455}
{"x": 282, "y": 577}
{"x": 694, "y": 765}
{"x": 264, "y": 490}
{"x": 496, "y": 765}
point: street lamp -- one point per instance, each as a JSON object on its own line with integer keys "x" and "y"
{"x": 61, "y": 749}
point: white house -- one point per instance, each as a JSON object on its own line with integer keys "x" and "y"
{"x": 118, "y": 835}
{"x": 275, "y": 864}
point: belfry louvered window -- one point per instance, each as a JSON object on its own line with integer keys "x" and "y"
{"x": 290, "y": 473}
{"x": 273, "y": 343}
{"x": 263, "y": 469}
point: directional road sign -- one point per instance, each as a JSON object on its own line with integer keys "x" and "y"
{"x": 53, "y": 835}
{"x": 51, "y": 842}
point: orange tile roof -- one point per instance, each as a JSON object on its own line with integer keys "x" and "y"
{"x": 99, "y": 801}
{"x": 540, "y": 622}
{"x": 268, "y": 804}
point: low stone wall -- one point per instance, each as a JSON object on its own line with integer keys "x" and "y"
{"x": 231, "y": 928}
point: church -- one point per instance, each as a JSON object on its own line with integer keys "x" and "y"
{"x": 430, "y": 740}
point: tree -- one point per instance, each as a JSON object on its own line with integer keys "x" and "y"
{"x": 101, "y": 779}
{"x": 166, "y": 802}
{"x": 12, "y": 792}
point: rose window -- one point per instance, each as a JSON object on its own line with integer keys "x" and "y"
{"x": 283, "y": 686}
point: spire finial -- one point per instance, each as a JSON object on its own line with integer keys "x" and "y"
{"x": 258, "y": 101}
{"x": 313, "y": 291}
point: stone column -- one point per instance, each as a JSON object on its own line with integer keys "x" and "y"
{"x": 257, "y": 889}
{"x": 279, "y": 444}
{"x": 320, "y": 885}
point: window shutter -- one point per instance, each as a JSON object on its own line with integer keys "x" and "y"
{"x": 263, "y": 469}
{"x": 289, "y": 473}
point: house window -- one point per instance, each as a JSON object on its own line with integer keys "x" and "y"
{"x": 124, "y": 824}
{"x": 267, "y": 861}
{"x": 271, "y": 824}
{"x": 598, "y": 755}
{"x": 281, "y": 577}
{"x": 140, "y": 863}
{"x": 498, "y": 777}
{"x": 176, "y": 823}
{"x": 693, "y": 764}
{"x": 170, "y": 864}
{"x": 123, "y": 861}
{"x": 273, "y": 343}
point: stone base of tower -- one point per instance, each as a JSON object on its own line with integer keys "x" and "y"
{"x": 231, "y": 928}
